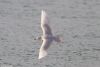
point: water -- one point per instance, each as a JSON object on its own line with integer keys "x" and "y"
{"x": 77, "y": 21}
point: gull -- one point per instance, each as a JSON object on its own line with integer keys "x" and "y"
{"x": 47, "y": 37}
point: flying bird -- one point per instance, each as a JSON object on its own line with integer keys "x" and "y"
{"x": 47, "y": 38}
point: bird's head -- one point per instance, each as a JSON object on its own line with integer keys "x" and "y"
{"x": 38, "y": 38}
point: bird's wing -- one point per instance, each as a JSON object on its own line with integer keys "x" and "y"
{"x": 44, "y": 24}
{"x": 43, "y": 49}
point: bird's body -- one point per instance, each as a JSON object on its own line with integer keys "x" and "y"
{"x": 47, "y": 36}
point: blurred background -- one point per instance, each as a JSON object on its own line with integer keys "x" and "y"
{"x": 77, "y": 21}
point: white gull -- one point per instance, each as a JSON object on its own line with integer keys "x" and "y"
{"x": 47, "y": 36}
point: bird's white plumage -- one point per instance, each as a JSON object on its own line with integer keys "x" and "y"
{"x": 47, "y": 36}
{"x": 45, "y": 24}
{"x": 42, "y": 52}
{"x": 46, "y": 32}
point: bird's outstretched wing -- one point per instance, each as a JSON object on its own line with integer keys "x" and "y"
{"x": 44, "y": 24}
{"x": 43, "y": 49}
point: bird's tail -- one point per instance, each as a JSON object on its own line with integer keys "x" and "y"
{"x": 57, "y": 38}
{"x": 42, "y": 54}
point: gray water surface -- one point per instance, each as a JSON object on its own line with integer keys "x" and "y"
{"x": 77, "y": 21}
